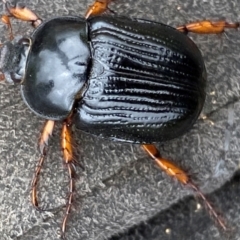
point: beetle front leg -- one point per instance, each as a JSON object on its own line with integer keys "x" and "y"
{"x": 66, "y": 143}
{"x": 97, "y": 8}
{"x": 19, "y": 12}
{"x": 207, "y": 27}
{"x": 174, "y": 171}
{"x": 43, "y": 142}
{"x": 6, "y": 20}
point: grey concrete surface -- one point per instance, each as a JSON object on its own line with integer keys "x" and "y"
{"x": 185, "y": 221}
{"x": 120, "y": 187}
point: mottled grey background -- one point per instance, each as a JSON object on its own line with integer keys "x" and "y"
{"x": 120, "y": 187}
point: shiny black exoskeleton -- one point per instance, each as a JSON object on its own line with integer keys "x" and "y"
{"x": 128, "y": 79}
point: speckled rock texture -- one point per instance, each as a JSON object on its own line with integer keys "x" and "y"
{"x": 120, "y": 187}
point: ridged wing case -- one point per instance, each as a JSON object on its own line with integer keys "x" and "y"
{"x": 146, "y": 84}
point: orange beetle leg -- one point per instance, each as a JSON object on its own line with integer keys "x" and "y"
{"x": 2, "y": 76}
{"x": 43, "y": 142}
{"x": 6, "y": 20}
{"x": 174, "y": 171}
{"x": 207, "y": 27}
{"x": 98, "y": 7}
{"x": 67, "y": 149}
{"x": 23, "y": 13}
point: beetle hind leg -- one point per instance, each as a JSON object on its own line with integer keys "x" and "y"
{"x": 174, "y": 171}
{"x": 207, "y": 27}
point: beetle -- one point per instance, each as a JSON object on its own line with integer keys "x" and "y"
{"x": 105, "y": 95}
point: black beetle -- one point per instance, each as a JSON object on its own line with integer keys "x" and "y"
{"x": 129, "y": 82}
{"x": 123, "y": 79}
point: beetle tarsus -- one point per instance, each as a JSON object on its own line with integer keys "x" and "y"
{"x": 207, "y": 27}
{"x": 174, "y": 171}
{"x": 209, "y": 206}
{"x": 66, "y": 143}
{"x": 71, "y": 172}
{"x": 43, "y": 142}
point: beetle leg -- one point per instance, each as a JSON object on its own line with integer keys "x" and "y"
{"x": 19, "y": 12}
{"x": 66, "y": 143}
{"x": 207, "y": 27}
{"x": 97, "y": 8}
{"x": 6, "y": 20}
{"x": 43, "y": 142}
{"x": 174, "y": 171}
{"x": 2, "y": 76}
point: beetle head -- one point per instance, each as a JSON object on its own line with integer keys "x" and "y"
{"x": 13, "y": 57}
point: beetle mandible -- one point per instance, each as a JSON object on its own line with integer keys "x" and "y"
{"x": 124, "y": 82}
